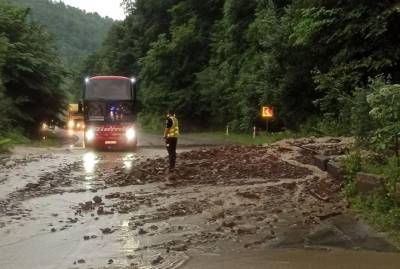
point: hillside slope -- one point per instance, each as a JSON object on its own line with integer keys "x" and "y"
{"x": 77, "y": 33}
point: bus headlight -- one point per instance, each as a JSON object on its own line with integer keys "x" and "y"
{"x": 71, "y": 124}
{"x": 130, "y": 134}
{"x": 90, "y": 135}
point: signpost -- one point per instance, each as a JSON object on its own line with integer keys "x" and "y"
{"x": 267, "y": 113}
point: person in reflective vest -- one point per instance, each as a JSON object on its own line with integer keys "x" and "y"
{"x": 171, "y": 134}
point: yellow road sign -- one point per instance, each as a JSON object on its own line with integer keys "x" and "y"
{"x": 267, "y": 112}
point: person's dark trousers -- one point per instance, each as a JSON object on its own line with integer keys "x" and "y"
{"x": 171, "y": 148}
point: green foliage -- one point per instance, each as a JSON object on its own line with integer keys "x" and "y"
{"x": 76, "y": 32}
{"x": 218, "y": 61}
{"x": 9, "y": 138}
{"x": 385, "y": 103}
{"x": 379, "y": 209}
{"x": 152, "y": 122}
{"x": 30, "y": 73}
{"x": 352, "y": 164}
{"x": 362, "y": 123}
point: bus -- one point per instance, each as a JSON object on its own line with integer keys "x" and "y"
{"x": 109, "y": 106}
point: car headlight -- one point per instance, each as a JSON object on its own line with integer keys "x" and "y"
{"x": 90, "y": 134}
{"x": 130, "y": 134}
{"x": 71, "y": 124}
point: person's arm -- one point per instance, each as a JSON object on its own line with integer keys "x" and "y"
{"x": 166, "y": 131}
{"x": 168, "y": 125}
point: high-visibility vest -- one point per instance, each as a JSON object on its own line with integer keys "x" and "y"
{"x": 174, "y": 130}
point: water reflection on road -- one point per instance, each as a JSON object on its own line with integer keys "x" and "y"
{"x": 89, "y": 163}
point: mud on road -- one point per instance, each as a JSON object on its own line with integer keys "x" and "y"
{"x": 78, "y": 209}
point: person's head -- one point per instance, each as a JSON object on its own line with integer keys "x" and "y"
{"x": 170, "y": 113}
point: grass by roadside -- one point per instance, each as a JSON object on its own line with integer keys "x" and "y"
{"x": 379, "y": 211}
{"x": 10, "y": 139}
{"x": 244, "y": 139}
{"x": 380, "y": 208}
{"x": 48, "y": 140}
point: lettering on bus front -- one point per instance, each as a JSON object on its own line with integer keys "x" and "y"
{"x": 109, "y": 129}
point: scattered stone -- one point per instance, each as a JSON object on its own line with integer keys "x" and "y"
{"x": 81, "y": 261}
{"x": 227, "y": 224}
{"x": 179, "y": 247}
{"x": 249, "y": 195}
{"x": 277, "y": 211}
{"x": 86, "y": 237}
{"x": 142, "y": 231}
{"x": 100, "y": 210}
{"x": 107, "y": 231}
{"x": 329, "y": 215}
{"x": 53, "y": 230}
{"x": 321, "y": 161}
{"x": 289, "y": 186}
{"x": 335, "y": 170}
{"x": 112, "y": 196}
{"x": 110, "y": 261}
{"x": 97, "y": 199}
{"x": 246, "y": 229}
{"x": 154, "y": 227}
{"x": 157, "y": 261}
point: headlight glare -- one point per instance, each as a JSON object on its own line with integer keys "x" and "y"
{"x": 90, "y": 134}
{"x": 130, "y": 134}
{"x": 71, "y": 124}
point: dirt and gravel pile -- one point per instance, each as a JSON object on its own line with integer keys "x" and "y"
{"x": 247, "y": 195}
{"x": 330, "y": 147}
{"x": 212, "y": 166}
{"x": 8, "y": 162}
{"x": 50, "y": 183}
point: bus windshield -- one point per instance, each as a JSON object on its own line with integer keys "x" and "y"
{"x": 110, "y": 111}
{"x": 117, "y": 89}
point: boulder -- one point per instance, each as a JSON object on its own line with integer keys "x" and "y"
{"x": 321, "y": 161}
{"x": 366, "y": 183}
{"x": 335, "y": 170}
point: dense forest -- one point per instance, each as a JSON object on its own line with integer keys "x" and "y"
{"x": 217, "y": 61}
{"x": 42, "y": 44}
{"x": 31, "y": 73}
{"x": 76, "y": 32}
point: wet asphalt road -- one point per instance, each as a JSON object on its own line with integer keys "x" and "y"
{"x": 60, "y": 208}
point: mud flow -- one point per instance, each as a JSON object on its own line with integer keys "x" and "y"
{"x": 81, "y": 209}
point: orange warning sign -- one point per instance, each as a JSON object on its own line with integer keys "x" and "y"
{"x": 267, "y": 112}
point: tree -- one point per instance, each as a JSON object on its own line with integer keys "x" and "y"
{"x": 385, "y": 104}
{"x": 218, "y": 61}
{"x": 77, "y": 33}
{"x": 31, "y": 72}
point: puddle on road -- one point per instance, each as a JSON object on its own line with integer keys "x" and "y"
{"x": 59, "y": 232}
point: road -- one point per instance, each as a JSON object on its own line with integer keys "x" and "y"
{"x": 226, "y": 207}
